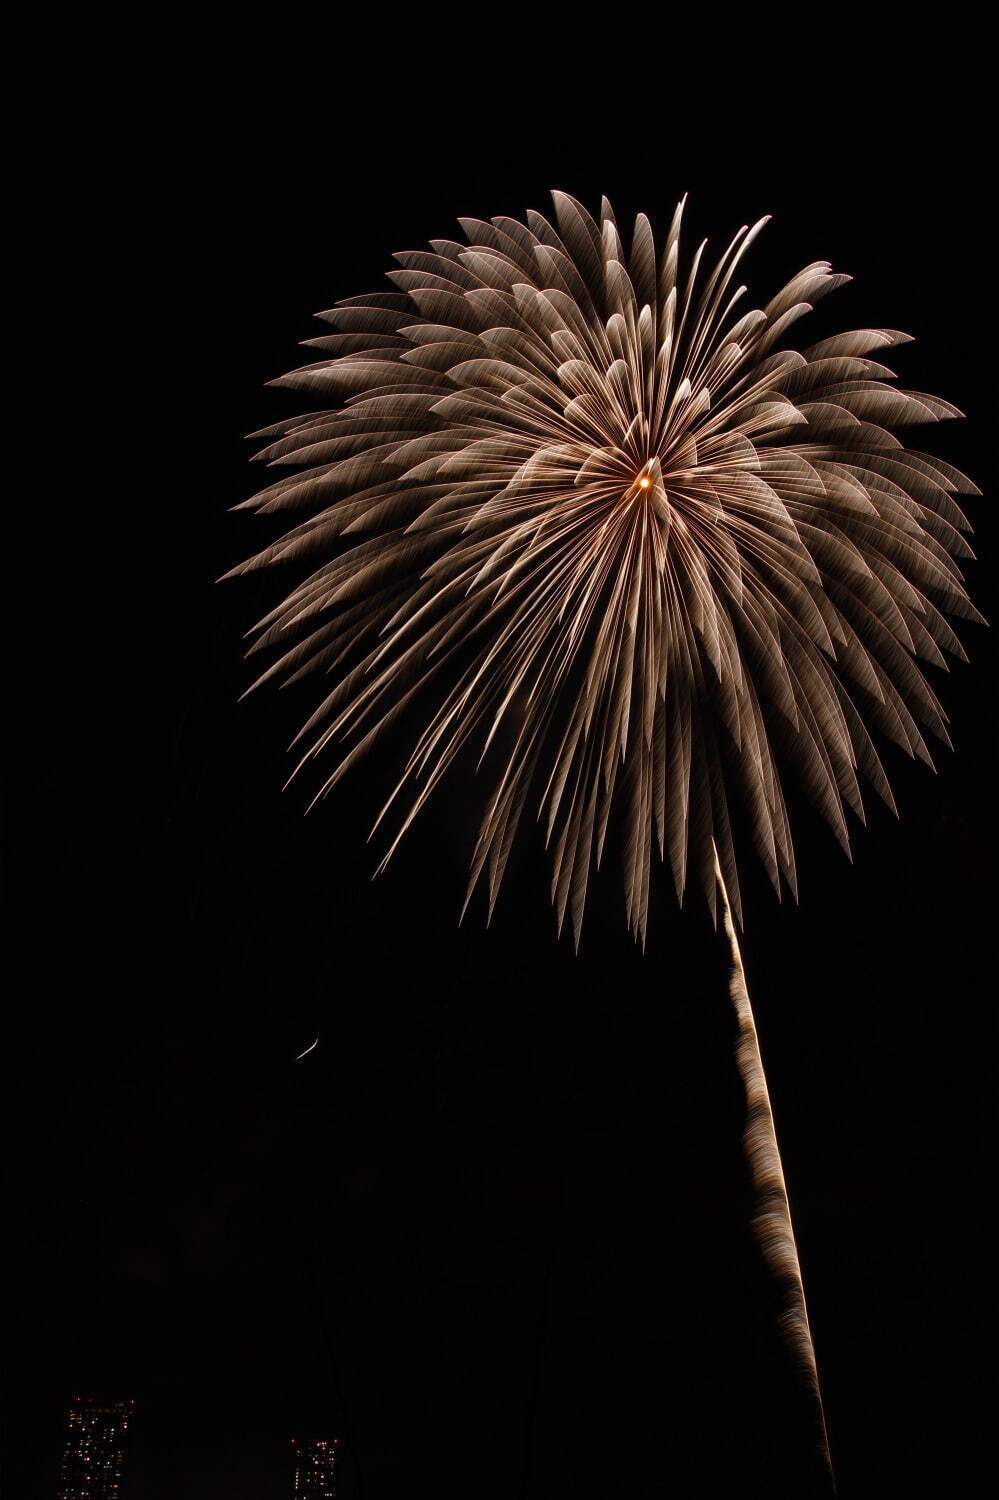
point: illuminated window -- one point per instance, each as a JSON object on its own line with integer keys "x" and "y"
{"x": 95, "y": 1449}
{"x": 315, "y": 1469}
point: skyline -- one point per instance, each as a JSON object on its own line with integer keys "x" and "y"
{"x": 95, "y": 1448}
{"x": 94, "y": 1458}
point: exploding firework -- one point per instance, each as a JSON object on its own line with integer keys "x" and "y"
{"x": 601, "y": 527}
{"x": 616, "y": 539}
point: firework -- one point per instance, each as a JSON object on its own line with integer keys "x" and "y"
{"x": 577, "y": 512}
{"x": 596, "y": 524}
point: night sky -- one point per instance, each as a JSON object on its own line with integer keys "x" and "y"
{"x": 505, "y": 1169}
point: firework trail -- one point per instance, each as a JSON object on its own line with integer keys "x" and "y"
{"x": 772, "y": 1220}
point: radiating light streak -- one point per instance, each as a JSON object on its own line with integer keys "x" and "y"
{"x": 568, "y": 506}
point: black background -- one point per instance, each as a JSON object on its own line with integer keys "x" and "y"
{"x": 504, "y": 1168}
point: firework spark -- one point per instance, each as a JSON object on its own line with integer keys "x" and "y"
{"x": 606, "y": 531}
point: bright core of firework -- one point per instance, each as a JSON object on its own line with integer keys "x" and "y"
{"x": 475, "y": 559}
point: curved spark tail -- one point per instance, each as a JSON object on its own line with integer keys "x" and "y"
{"x": 772, "y": 1220}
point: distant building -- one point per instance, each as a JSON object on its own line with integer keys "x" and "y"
{"x": 315, "y": 1469}
{"x": 95, "y": 1449}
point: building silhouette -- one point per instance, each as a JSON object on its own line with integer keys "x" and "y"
{"x": 315, "y": 1468}
{"x": 95, "y": 1449}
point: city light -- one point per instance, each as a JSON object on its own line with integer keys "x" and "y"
{"x": 315, "y": 1470}
{"x": 95, "y": 1449}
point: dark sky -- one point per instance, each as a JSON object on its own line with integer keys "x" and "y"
{"x": 505, "y": 1167}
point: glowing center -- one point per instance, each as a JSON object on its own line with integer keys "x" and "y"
{"x": 645, "y": 483}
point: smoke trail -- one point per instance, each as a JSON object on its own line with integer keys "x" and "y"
{"x": 772, "y": 1220}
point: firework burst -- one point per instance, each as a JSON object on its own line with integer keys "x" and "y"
{"x": 643, "y": 555}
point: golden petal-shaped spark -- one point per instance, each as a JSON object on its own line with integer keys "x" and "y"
{"x": 579, "y": 511}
